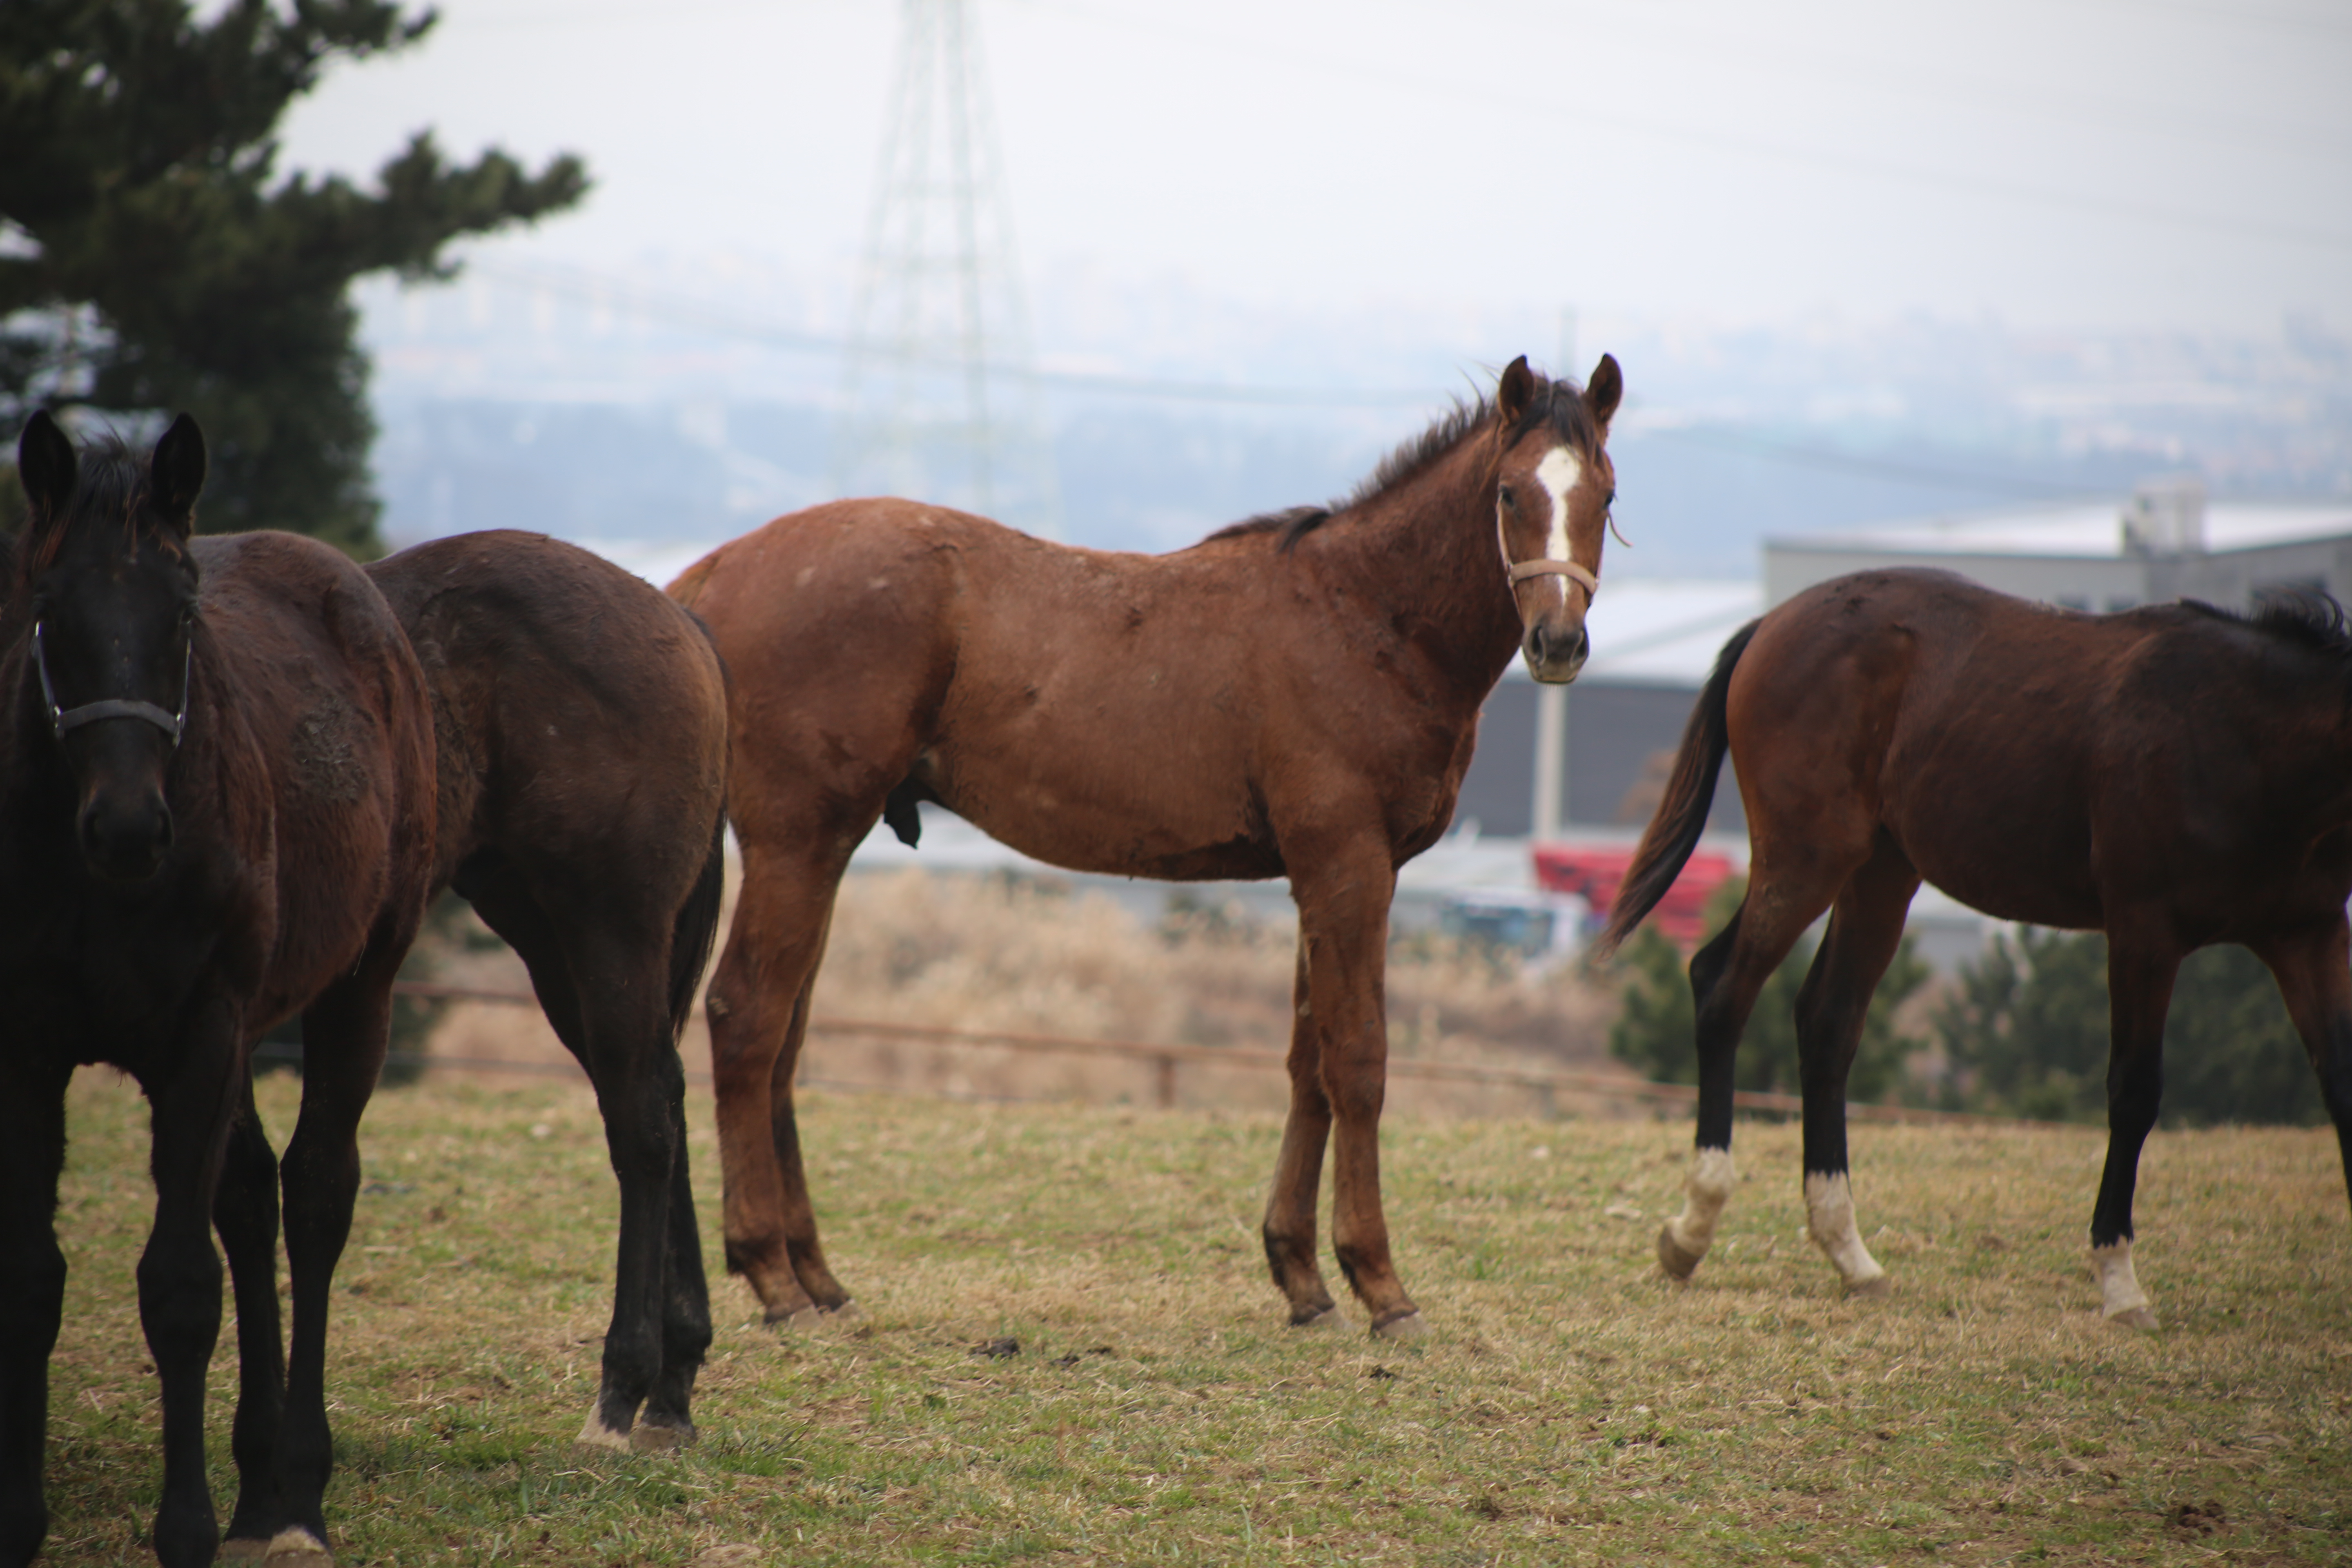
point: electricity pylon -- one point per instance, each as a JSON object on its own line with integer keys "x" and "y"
{"x": 940, "y": 398}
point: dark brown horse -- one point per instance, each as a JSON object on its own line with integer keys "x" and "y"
{"x": 581, "y": 719}
{"x": 217, "y": 809}
{"x": 1296, "y": 695}
{"x": 2174, "y": 776}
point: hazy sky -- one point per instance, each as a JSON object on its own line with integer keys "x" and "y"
{"x": 2070, "y": 162}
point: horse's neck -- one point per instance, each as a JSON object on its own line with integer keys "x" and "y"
{"x": 1424, "y": 556}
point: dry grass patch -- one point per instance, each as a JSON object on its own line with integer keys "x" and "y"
{"x": 1566, "y": 1407}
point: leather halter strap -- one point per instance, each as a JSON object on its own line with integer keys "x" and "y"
{"x": 1523, "y": 570}
{"x": 67, "y": 719}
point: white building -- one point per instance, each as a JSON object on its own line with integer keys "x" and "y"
{"x": 2165, "y": 542}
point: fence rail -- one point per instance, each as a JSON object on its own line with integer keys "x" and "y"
{"x": 1165, "y": 1058}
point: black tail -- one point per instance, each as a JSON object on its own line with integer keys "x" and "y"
{"x": 697, "y": 931}
{"x": 1673, "y": 833}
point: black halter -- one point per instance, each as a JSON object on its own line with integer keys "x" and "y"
{"x": 63, "y": 720}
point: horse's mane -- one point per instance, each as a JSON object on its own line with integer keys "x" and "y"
{"x": 2307, "y": 617}
{"x": 1557, "y": 403}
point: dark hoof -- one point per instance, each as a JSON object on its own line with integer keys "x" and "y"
{"x": 849, "y": 1311}
{"x": 1327, "y": 1317}
{"x": 1678, "y": 1263}
{"x": 1404, "y": 1325}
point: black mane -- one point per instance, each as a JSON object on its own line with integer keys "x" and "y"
{"x": 2307, "y": 617}
{"x": 1557, "y": 403}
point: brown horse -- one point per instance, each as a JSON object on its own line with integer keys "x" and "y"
{"x": 2174, "y": 776}
{"x": 1296, "y": 695}
{"x": 217, "y": 809}
{"x": 581, "y": 719}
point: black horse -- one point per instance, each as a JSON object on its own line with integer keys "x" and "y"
{"x": 581, "y": 718}
{"x": 217, "y": 809}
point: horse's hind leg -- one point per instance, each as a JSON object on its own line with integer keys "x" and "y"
{"x": 32, "y": 1152}
{"x": 2139, "y": 990}
{"x": 802, "y": 1245}
{"x": 755, "y": 997}
{"x": 1727, "y": 976}
{"x": 245, "y": 1212}
{"x": 598, "y": 980}
{"x": 2313, "y": 970}
{"x": 1866, "y": 930}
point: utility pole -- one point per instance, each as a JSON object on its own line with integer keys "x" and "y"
{"x": 1550, "y": 814}
{"x": 940, "y": 398}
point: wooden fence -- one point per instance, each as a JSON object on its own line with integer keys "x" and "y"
{"x": 1166, "y": 1060}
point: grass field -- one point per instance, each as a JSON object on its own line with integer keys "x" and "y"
{"x": 1567, "y": 1405}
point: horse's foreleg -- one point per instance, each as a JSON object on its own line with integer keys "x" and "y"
{"x": 2313, "y": 970}
{"x": 1289, "y": 1228}
{"x": 1866, "y": 930}
{"x": 32, "y": 1152}
{"x": 192, "y": 1104}
{"x": 345, "y": 1031}
{"x": 2139, "y": 991}
{"x": 1727, "y": 976}
{"x": 245, "y": 1212}
{"x": 1343, "y": 925}
{"x": 769, "y": 964}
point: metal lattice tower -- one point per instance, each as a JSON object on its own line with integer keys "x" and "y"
{"x": 940, "y": 398}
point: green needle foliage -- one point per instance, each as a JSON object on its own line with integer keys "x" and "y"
{"x": 152, "y": 259}
{"x": 2025, "y": 1031}
{"x": 1657, "y": 1032}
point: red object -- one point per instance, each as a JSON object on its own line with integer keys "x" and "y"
{"x": 1594, "y": 875}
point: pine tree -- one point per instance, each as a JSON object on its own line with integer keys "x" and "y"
{"x": 152, "y": 259}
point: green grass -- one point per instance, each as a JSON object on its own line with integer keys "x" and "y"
{"x": 1567, "y": 1405}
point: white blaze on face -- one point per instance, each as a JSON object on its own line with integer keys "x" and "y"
{"x": 1558, "y": 474}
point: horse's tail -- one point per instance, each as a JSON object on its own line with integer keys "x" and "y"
{"x": 697, "y": 931}
{"x": 1673, "y": 834}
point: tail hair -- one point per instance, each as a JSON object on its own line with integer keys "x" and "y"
{"x": 1674, "y": 832}
{"x": 696, "y": 931}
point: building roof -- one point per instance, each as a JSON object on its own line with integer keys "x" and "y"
{"x": 2083, "y": 530}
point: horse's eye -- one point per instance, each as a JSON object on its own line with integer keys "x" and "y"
{"x": 1510, "y": 498}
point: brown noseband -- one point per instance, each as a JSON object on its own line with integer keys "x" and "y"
{"x": 1523, "y": 570}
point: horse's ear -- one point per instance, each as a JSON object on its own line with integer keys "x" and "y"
{"x": 1515, "y": 392}
{"x": 47, "y": 466}
{"x": 1601, "y": 393}
{"x": 176, "y": 473}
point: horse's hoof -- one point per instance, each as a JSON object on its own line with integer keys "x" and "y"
{"x": 797, "y": 1319}
{"x": 661, "y": 1437}
{"x": 1329, "y": 1318}
{"x": 1405, "y": 1325}
{"x": 2142, "y": 1318}
{"x": 1677, "y": 1262}
{"x": 849, "y": 1311}
{"x": 596, "y": 1435}
{"x": 1878, "y": 1287}
{"x": 297, "y": 1548}
{"x": 243, "y": 1549}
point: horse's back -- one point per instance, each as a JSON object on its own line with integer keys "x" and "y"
{"x": 1987, "y": 733}
{"x": 1099, "y": 709}
{"x": 321, "y": 678}
{"x": 577, "y": 708}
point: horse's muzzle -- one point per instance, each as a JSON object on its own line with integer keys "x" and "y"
{"x": 1554, "y": 654}
{"x": 125, "y": 840}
